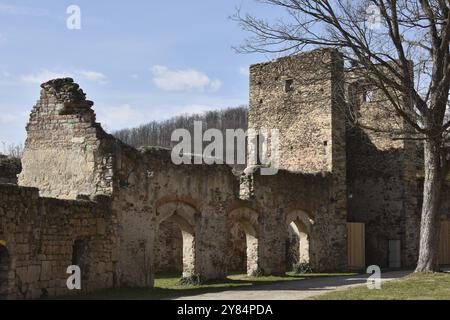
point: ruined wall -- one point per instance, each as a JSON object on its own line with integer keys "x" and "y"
{"x": 287, "y": 196}
{"x": 9, "y": 169}
{"x": 302, "y": 96}
{"x": 63, "y": 154}
{"x": 67, "y": 154}
{"x": 150, "y": 189}
{"x": 40, "y": 234}
{"x": 202, "y": 219}
{"x": 381, "y": 176}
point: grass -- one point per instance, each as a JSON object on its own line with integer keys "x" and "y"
{"x": 431, "y": 286}
{"x": 168, "y": 286}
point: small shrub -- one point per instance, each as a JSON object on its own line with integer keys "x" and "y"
{"x": 257, "y": 273}
{"x": 302, "y": 267}
{"x": 193, "y": 280}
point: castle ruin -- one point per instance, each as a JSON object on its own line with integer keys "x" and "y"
{"x": 83, "y": 197}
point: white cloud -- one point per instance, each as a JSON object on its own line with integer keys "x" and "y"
{"x": 45, "y": 75}
{"x": 244, "y": 71}
{"x": 93, "y": 76}
{"x": 183, "y": 80}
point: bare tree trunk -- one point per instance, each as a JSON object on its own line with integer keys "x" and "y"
{"x": 430, "y": 222}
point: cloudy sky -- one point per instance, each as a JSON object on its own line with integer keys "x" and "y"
{"x": 138, "y": 60}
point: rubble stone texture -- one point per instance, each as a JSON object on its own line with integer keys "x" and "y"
{"x": 123, "y": 214}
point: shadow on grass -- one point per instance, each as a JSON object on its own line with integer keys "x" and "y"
{"x": 168, "y": 286}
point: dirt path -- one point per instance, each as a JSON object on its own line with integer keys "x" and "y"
{"x": 294, "y": 290}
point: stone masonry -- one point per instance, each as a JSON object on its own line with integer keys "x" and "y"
{"x": 122, "y": 214}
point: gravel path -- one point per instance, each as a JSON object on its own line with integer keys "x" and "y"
{"x": 294, "y": 290}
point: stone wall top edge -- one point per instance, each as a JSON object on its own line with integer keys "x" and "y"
{"x": 304, "y": 54}
{"x": 164, "y": 154}
{"x": 12, "y": 189}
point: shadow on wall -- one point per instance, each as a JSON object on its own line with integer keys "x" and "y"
{"x": 378, "y": 193}
{"x": 182, "y": 216}
{"x": 4, "y": 272}
{"x": 169, "y": 249}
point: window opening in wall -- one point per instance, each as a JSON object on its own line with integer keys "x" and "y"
{"x": 368, "y": 95}
{"x": 289, "y": 85}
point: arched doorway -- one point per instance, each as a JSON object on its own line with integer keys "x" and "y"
{"x": 176, "y": 239}
{"x": 4, "y": 272}
{"x": 299, "y": 226}
{"x": 245, "y": 250}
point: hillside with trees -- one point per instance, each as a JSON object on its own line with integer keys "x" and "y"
{"x": 158, "y": 133}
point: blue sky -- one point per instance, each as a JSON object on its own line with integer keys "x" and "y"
{"x": 138, "y": 60}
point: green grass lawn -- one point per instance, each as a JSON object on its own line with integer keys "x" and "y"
{"x": 167, "y": 286}
{"x": 433, "y": 286}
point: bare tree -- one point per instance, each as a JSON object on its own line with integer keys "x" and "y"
{"x": 12, "y": 150}
{"x": 401, "y": 47}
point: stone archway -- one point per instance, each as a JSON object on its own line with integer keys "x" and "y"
{"x": 298, "y": 226}
{"x": 183, "y": 216}
{"x": 246, "y": 220}
{"x": 5, "y": 264}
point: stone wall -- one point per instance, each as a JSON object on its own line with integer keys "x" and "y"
{"x": 381, "y": 176}
{"x": 150, "y": 190}
{"x": 305, "y": 199}
{"x": 294, "y": 95}
{"x": 302, "y": 97}
{"x": 138, "y": 213}
{"x": 63, "y": 154}
{"x": 40, "y": 234}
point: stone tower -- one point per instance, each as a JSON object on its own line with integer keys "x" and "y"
{"x": 381, "y": 177}
{"x": 301, "y": 96}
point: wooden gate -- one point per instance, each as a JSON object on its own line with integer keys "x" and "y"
{"x": 356, "y": 249}
{"x": 444, "y": 246}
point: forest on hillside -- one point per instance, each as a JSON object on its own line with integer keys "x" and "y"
{"x": 158, "y": 133}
